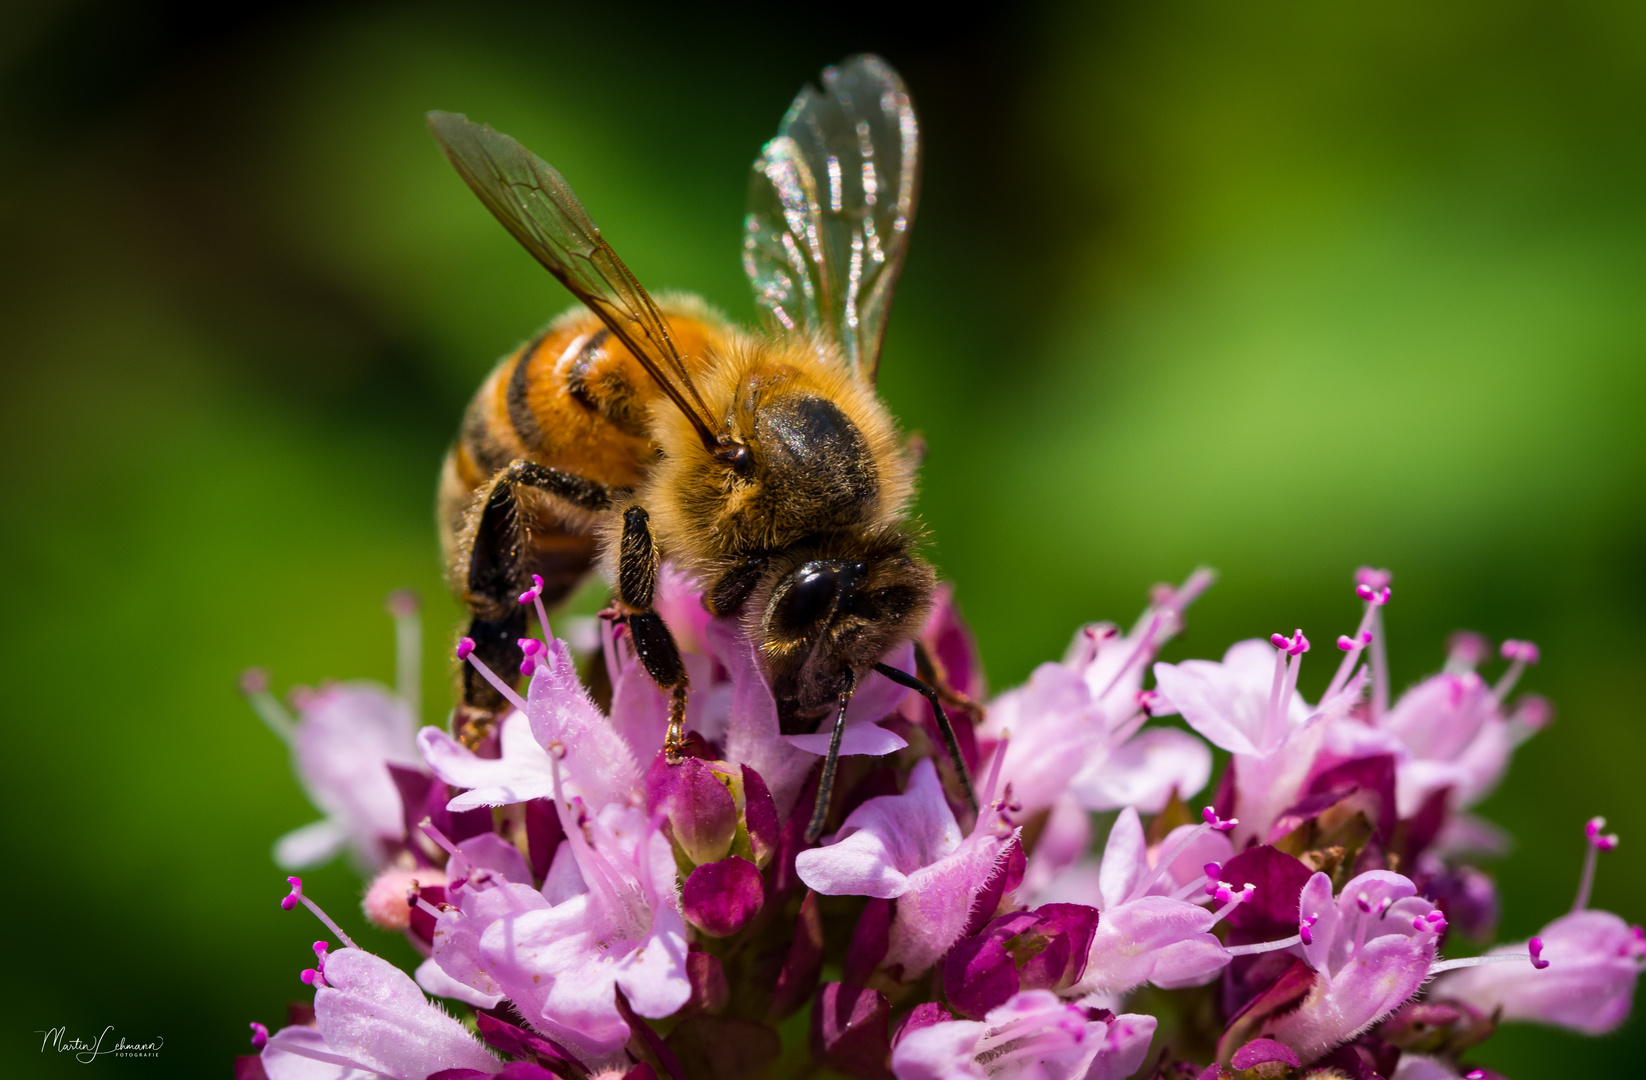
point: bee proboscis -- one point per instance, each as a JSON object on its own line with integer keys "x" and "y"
{"x": 762, "y": 464}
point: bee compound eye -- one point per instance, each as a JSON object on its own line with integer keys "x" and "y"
{"x": 809, "y": 597}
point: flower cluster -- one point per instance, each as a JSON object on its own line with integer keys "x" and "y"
{"x": 587, "y": 909}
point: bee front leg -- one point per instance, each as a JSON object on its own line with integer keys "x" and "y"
{"x": 494, "y": 575}
{"x": 637, "y": 561}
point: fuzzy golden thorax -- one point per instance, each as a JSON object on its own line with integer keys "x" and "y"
{"x": 824, "y": 457}
{"x": 816, "y": 512}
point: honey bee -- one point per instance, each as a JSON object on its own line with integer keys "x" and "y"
{"x": 763, "y": 464}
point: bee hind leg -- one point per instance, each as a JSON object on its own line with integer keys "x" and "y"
{"x": 637, "y": 561}
{"x": 496, "y": 573}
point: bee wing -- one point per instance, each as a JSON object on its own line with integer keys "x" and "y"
{"x": 540, "y": 210}
{"x": 831, "y": 200}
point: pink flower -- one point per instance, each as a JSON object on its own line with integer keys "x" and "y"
{"x": 607, "y": 919}
{"x": 1370, "y": 949}
{"x": 343, "y": 740}
{"x": 345, "y": 737}
{"x": 1450, "y": 731}
{"x": 370, "y": 1019}
{"x": 1075, "y": 725}
{"x": 909, "y": 847}
{"x": 1034, "y": 1036}
{"x": 1249, "y": 705}
{"x": 371, "y": 1016}
{"x": 1585, "y": 965}
{"x": 1152, "y": 926}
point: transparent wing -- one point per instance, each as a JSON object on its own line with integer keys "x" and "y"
{"x": 831, "y": 200}
{"x": 539, "y": 209}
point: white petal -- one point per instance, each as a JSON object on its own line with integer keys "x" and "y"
{"x": 1144, "y": 771}
{"x": 436, "y": 982}
{"x": 311, "y": 845}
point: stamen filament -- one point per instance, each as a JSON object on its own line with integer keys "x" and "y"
{"x": 1478, "y": 961}
{"x": 1144, "y": 646}
{"x": 1270, "y": 730}
{"x": 1591, "y": 859}
{"x": 296, "y": 894}
{"x": 502, "y": 687}
{"x": 1263, "y": 946}
{"x": 255, "y": 685}
{"x": 1362, "y": 638}
{"x": 1380, "y": 669}
{"x": 408, "y": 651}
{"x": 1165, "y": 860}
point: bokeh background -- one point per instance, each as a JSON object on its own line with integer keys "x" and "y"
{"x": 1281, "y": 288}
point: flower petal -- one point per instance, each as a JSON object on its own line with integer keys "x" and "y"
{"x": 434, "y": 981}
{"x": 1144, "y": 771}
{"x": 376, "y": 1015}
{"x": 522, "y": 773}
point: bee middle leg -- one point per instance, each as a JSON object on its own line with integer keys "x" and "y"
{"x": 500, "y": 559}
{"x": 637, "y": 561}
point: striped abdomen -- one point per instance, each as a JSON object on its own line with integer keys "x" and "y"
{"x": 571, "y": 399}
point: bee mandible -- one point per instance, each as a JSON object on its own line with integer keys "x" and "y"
{"x": 761, "y": 464}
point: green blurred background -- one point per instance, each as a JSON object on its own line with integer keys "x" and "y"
{"x": 1280, "y": 288}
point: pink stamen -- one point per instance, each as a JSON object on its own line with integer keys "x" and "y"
{"x": 1434, "y": 922}
{"x": 1147, "y": 700}
{"x": 296, "y": 896}
{"x": 534, "y": 595}
{"x": 1164, "y": 859}
{"x": 403, "y": 606}
{"x": 1377, "y": 597}
{"x": 533, "y": 651}
{"x": 1209, "y": 816}
{"x": 1519, "y": 654}
{"x": 441, "y": 839}
{"x": 1265, "y": 946}
{"x": 1466, "y": 650}
{"x": 1230, "y": 899}
{"x": 254, "y": 683}
{"x": 1534, "y": 947}
{"x": 1598, "y": 842}
{"x": 465, "y": 651}
{"x": 1306, "y": 929}
{"x": 259, "y": 1036}
{"x": 1372, "y": 577}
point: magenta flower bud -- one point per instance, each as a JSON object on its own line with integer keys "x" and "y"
{"x": 702, "y": 812}
{"x": 1262, "y": 1052}
{"x": 851, "y": 1029}
{"x": 721, "y": 897}
{"x": 760, "y": 817}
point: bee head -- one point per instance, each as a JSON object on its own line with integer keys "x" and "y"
{"x": 824, "y": 614}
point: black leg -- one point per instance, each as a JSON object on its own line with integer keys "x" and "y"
{"x": 825, "y": 787}
{"x": 637, "y": 560}
{"x": 495, "y": 576}
{"x": 903, "y": 678}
